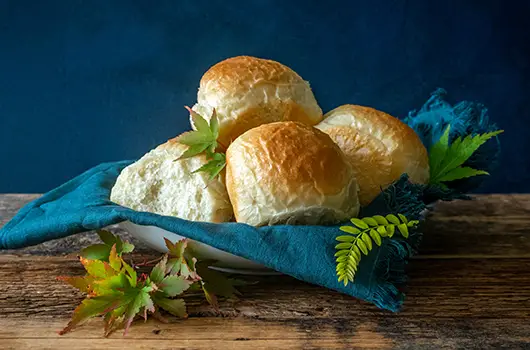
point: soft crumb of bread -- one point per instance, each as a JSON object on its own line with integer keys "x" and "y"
{"x": 158, "y": 184}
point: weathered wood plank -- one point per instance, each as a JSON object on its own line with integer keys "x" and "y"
{"x": 490, "y": 226}
{"x": 511, "y": 205}
{"x": 470, "y": 289}
{"x": 438, "y": 288}
{"x": 11, "y": 203}
{"x": 247, "y": 333}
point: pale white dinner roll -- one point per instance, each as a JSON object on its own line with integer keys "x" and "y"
{"x": 158, "y": 184}
{"x": 288, "y": 172}
{"x": 248, "y": 91}
{"x": 379, "y": 147}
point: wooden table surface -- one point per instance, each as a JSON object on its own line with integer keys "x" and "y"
{"x": 469, "y": 288}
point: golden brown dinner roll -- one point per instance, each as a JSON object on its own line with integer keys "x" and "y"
{"x": 379, "y": 147}
{"x": 157, "y": 183}
{"x": 248, "y": 91}
{"x": 288, "y": 172}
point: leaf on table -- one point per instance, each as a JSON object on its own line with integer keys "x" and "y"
{"x": 83, "y": 284}
{"x": 96, "y": 268}
{"x": 107, "y": 237}
{"x": 130, "y": 273}
{"x": 114, "y": 320}
{"x": 216, "y": 282}
{"x": 111, "y": 285}
{"x": 174, "y": 285}
{"x": 101, "y": 251}
{"x": 140, "y": 299}
{"x": 96, "y": 252}
{"x": 210, "y": 296}
{"x": 114, "y": 260}
{"x": 92, "y": 307}
{"x": 127, "y": 248}
{"x": 159, "y": 271}
{"x": 177, "y": 249}
{"x": 176, "y": 307}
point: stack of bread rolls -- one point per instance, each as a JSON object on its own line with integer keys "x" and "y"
{"x": 286, "y": 163}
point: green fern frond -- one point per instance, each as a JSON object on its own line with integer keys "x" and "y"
{"x": 360, "y": 240}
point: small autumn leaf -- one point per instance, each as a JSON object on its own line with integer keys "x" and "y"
{"x": 176, "y": 307}
{"x": 174, "y": 285}
{"x": 140, "y": 299}
{"x": 96, "y": 252}
{"x": 90, "y": 308}
{"x": 159, "y": 271}
{"x": 102, "y": 251}
{"x": 116, "y": 291}
{"x": 81, "y": 283}
{"x": 215, "y": 283}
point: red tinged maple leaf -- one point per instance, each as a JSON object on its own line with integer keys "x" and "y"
{"x": 114, "y": 289}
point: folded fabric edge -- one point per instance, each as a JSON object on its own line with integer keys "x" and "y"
{"x": 393, "y": 277}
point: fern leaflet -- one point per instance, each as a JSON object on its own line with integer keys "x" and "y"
{"x": 360, "y": 238}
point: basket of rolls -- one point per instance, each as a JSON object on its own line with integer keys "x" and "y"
{"x": 265, "y": 182}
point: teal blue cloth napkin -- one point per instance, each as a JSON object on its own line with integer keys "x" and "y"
{"x": 304, "y": 252}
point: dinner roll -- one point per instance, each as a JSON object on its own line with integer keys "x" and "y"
{"x": 157, "y": 183}
{"x": 288, "y": 172}
{"x": 248, "y": 91}
{"x": 380, "y": 148}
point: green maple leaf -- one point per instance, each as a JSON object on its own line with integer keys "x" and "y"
{"x": 159, "y": 271}
{"x": 115, "y": 291}
{"x": 102, "y": 251}
{"x": 114, "y": 260}
{"x": 173, "y": 285}
{"x": 446, "y": 160}
{"x": 176, "y": 307}
{"x": 214, "y": 166}
{"x": 180, "y": 261}
{"x": 215, "y": 283}
{"x": 203, "y": 139}
{"x": 83, "y": 284}
{"x": 138, "y": 299}
{"x": 97, "y": 268}
{"x": 114, "y": 320}
{"x": 92, "y": 307}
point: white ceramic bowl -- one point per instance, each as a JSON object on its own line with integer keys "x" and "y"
{"x": 154, "y": 237}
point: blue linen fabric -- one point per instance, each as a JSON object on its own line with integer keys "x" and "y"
{"x": 304, "y": 252}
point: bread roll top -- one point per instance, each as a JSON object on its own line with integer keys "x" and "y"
{"x": 379, "y": 147}
{"x": 247, "y": 92}
{"x": 288, "y": 172}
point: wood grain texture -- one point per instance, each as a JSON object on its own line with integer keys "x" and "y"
{"x": 248, "y": 333}
{"x": 469, "y": 288}
{"x": 437, "y": 288}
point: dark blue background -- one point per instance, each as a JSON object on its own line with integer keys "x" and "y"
{"x": 84, "y": 82}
